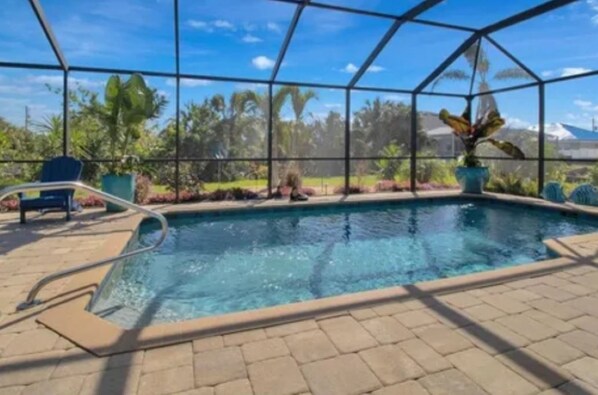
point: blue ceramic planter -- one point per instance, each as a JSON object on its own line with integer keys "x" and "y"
{"x": 472, "y": 179}
{"x": 119, "y": 186}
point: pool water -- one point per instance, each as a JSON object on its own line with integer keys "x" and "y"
{"x": 211, "y": 265}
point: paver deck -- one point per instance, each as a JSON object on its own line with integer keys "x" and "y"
{"x": 525, "y": 335}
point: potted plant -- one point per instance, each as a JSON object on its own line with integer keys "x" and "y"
{"x": 127, "y": 105}
{"x": 470, "y": 173}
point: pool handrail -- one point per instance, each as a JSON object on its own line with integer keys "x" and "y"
{"x": 51, "y": 186}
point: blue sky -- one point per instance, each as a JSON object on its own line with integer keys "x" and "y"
{"x": 241, "y": 38}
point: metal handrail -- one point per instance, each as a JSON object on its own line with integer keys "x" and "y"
{"x": 53, "y": 186}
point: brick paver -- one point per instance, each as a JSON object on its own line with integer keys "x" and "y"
{"x": 219, "y": 366}
{"x": 167, "y": 381}
{"x": 587, "y": 323}
{"x": 237, "y": 387}
{"x": 586, "y": 369}
{"x": 539, "y": 371}
{"x": 583, "y": 341}
{"x": 493, "y": 337}
{"x": 347, "y": 334}
{"x": 208, "y": 343}
{"x": 527, "y": 327}
{"x": 505, "y": 303}
{"x": 386, "y": 330}
{"x": 408, "y": 387}
{"x": 343, "y": 375}
{"x": 279, "y": 376}
{"x": 451, "y": 382}
{"x": 414, "y": 319}
{"x": 168, "y": 357}
{"x": 490, "y": 374}
{"x": 390, "y": 364}
{"x": 30, "y": 342}
{"x": 264, "y": 349}
{"x": 425, "y": 355}
{"x": 442, "y": 339}
{"x": 556, "y": 351}
{"x": 484, "y": 312}
{"x": 310, "y": 346}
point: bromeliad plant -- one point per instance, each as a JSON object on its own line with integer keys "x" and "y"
{"x": 478, "y": 133}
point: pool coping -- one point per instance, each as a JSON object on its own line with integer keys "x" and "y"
{"x": 66, "y": 313}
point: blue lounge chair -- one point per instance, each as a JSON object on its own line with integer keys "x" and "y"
{"x": 62, "y": 168}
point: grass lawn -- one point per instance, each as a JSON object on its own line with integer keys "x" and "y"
{"x": 311, "y": 182}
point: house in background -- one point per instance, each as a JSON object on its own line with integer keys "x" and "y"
{"x": 572, "y": 142}
{"x": 444, "y": 141}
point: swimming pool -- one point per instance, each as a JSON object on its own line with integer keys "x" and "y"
{"x": 217, "y": 264}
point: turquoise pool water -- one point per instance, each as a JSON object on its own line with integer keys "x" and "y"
{"x": 212, "y": 265}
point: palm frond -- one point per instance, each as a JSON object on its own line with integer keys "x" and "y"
{"x": 452, "y": 75}
{"x": 514, "y": 73}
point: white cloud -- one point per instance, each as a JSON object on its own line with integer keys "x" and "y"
{"x": 350, "y": 68}
{"x": 210, "y": 27}
{"x": 516, "y": 123}
{"x": 200, "y": 25}
{"x": 586, "y": 105}
{"x": 332, "y": 105}
{"x": 15, "y": 89}
{"x": 223, "y": 24}
{"x": 375, "y": 69}
{"x": 250, "y": 39}
{"x": 582, "y": 103}
{"x": 46, "y": 79}
{"x": 188, "y": 82}
{"x": 547, "y": 73}
{"x": 263, "y": 62}
{"x": 569, "y": 71}
{"x": 273, "y": 27}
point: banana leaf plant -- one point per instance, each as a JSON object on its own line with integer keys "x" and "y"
{"x": 478, "y": 133}
{"x": 127, "y": 105}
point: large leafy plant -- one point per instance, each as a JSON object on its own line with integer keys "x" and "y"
{"x": 472, "y": 135}
{"x": 127, "y": 105}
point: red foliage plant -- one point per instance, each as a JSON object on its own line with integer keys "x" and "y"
{"x": 9, "y": 205}
{"x": 91, "y": 201}
{"x": 391, "y": 186}
{"x": 353, "y": 190}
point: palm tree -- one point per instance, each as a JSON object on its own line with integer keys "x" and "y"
{"x": 299, "y": 101}
{"x": 482, "y": 70}
{"x": 279, "y": 99}
{"x": 232, "y": 113}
